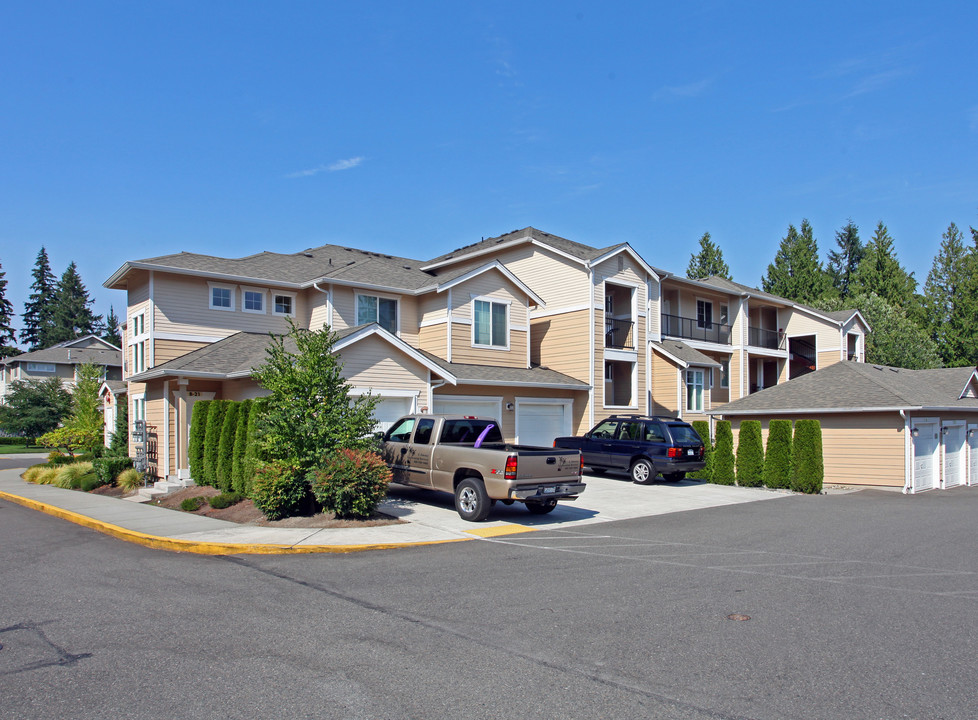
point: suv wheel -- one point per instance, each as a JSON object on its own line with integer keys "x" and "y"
{"x": 642, "y": 471}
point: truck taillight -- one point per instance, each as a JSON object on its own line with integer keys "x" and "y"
{"x": 580, "y": 470}
{"x": 674, "y": 452}
{"x": 510, "y": 468}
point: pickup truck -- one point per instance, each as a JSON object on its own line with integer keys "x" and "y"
{"x": 466, "y": 456}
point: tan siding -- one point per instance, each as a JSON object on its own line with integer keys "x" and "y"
{"x": 368, "y": 363}
{"x": 559, "y": 343}
{"x": 408, "y": 315}
{"x": 138, "y": 287}
{"x": 345, "y": 311}
{"x": 154, "y": 429}
{"x": 665, "y": 390}
{"x": 830, "y": 357}
{"x": 167, "y": 350}
{"x": 315, "y": 314}
{"x": 434, "y": 339}
{"x": 558, "y": 281}
{"x": 492, "y": 285}
{"x": 463, "y": 352}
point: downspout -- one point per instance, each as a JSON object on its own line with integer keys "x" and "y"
{"x": 907, "y": 455}
{"x": 590, "y": 280}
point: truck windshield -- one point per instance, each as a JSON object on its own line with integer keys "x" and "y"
{"x": 467, "y": 430}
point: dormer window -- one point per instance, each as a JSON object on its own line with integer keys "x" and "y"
{"x": 490, "y": 326}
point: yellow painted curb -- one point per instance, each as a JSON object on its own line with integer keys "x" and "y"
{"x": 204, "y": 548}
{"x": 498, "y": 530}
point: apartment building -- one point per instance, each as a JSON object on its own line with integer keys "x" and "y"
{"x": 61, "y": 361}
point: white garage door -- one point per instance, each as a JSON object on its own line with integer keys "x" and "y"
{"x": 925, "y": 467}
{"x": 389, "y": 409}
{"x": 973, "y": 455}
{"x": 484, "y": 407}
{"x": 539, "y": 423}
{"x": 952, "y": 438}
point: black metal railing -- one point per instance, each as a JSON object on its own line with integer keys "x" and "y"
{"x": 759, "y": 337}
{"x": 694, "y": 329}
{"x": 619, "y": 334}
{"x": 803, "y": 350}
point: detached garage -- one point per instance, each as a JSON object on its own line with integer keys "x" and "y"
{"x": 882, "y": 426}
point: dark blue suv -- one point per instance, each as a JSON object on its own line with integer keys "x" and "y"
{"x": 642, "y": 445}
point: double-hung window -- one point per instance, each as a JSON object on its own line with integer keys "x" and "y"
{"x": 704, "y": 314}
{"x": 695, "y": 385}
{"x": 381, "y": 310}
{"x": 283, "y": 304}
{"x": 490, "y": 326}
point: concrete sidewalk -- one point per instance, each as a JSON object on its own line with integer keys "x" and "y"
{"x": 430, "y": 517}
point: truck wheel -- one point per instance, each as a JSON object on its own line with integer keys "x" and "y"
{"x": 642, "y": 471}
{"x": 674, "y": 477}
{"x": 542, "y": 507}
{"x": 471, "y": 500}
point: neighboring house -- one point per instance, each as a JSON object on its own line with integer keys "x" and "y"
{"x": 544, "y": 333}
{"x": 915, "y": 429}
{"x": 62, "y": 361}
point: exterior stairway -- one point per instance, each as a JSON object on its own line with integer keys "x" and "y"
{"x": 161, "y": 488}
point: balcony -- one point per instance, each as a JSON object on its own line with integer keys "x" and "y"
{"x": 693, "y": 329}
{"x": 759, "y": 337}
{"x": 619, "y": 334}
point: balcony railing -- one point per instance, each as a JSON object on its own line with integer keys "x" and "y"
{"x": 803, "y": 351}
{"x": 759, "y": 337}
{"x": 619, "y": 334}
{"x": 693, "y": 329}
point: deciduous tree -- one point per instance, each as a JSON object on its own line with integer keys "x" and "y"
{"x": 34, "y": 407}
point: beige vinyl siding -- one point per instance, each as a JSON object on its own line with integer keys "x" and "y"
{"x": 630, "y": 274}
{"x": 433, "y": 306}
{"x": 434, "y": 339}
{"x": 492, "y": 284}
{"x": 508, "y": 421}
{"x": 137, "y": 289}
{"x": 464, "y": 352}
{"x": 155, "y": 434}
{"x": 345, "y": 311}
{"x": 166, "y": 350}
{"x": 665, "y": 386}
{"x": 829, "y": 357}
{"x": 316, "y": 310}
{"x": 242, "y": 389}
{"x": 559, "y": 281}
{"x": 558, "y": 342}
{"x": 368, "y": 363}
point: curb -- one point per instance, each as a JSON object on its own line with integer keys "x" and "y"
{"x": 206, "y": 548}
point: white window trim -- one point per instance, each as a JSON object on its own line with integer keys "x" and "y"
{"x": 725, "y": 376}
{"x": 262, "y": 293}
{"x": 701, "y": 386}
{"x": 509, "y": 328}
{"x": 386, "y": 296}
{"x": 210, "y": 296}
{"x": 278, "y": 294}
{"x": 41, "y": 367}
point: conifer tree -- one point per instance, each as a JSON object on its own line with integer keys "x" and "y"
{"x": 111, "y": 333}
{"x": 796, "y": 272}
{"x": 880, "y": 272}
{"x": 963, "y": 337}
{"x": 843, "y": 262}
{"x": 72, "y": 315}
{"x": 777, "y": 461}
{"x": 39, "y": 306}
{"x": 723, "y": 455}
{"x": 750, "y": 454}
{"x": 943, "y": 296}
{"x": 708, "y": 261}
{"x": 8, "y": 341}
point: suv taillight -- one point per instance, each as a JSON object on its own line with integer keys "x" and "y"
{"x": 510, "y": 468}
{"x": 674, "y": 452}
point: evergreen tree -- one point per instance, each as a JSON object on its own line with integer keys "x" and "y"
{"x": 8, "y": 341}
{"x": 723, "y": 455}
{"x": 796, "y": 272}
{"x": 225, "y": 450}
{"x": 777, "y": 462}
{"x": 943, "y": 296}
{"x": 964, "y": 328}
{"x": 880, "y": 272}
{"x": 72, "y": 315}
{"x": 750, "y": 454}
{"x": 708, "y": 261}
{"x": 39, "y": 305}
{"x": 807, "y": 465}
{"x": 843, "y": 262}
{"x": 111, "y": 333}
{"x": 119, "y": 445}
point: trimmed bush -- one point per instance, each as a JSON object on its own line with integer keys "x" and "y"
{"x": 195, "y": 444}
{"x": 777, "y": 461}
{"x": 107, "y": 468}
{"x": 225, "y": 500}
{"x": 252, "y": 451}
{"x": 193, "y": 504}
{"x": 212, "y": 440}
{"x": 225, "y": 449}
{"x": 750, "y": 454}
{"x": 240, "y": 444}
{"x": 807, "y": 469}
{"x": 350, "y": 483}
{"x": 723, "y": 455}
{"x": 88, "y": 482}
{"x": 130, "y": 480}
{"x": 279, "y": 490}
{"x": 702, "y": 428}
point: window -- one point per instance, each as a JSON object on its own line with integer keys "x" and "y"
{"x": 138, "y": 357}
{"x": 380, "y": 310}
{"x": 283, "y": 304}
{"x": 694, "y": 390}
{"x": 725, "y": 373}
{"x": 609, "y": 304}
{"x": 604, "y": 430}
{"x": 221, "y": 297}
{"x": 422, "y": 436}
{"x": 704, "y": 314}
{"x": 724, "y": 315}
{"x": 401, "y": 432}
{"x": 489, "y": 327}
{"x": 40, "y": 367}
{"x": 138, "y": 409}
{"x": 653, "y": 432}
{"x": 609, "y": 372}
{"x": 253, "y": 301}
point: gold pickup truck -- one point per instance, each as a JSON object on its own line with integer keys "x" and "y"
{"x": 466, "y": 456}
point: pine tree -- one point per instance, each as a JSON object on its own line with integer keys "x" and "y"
{"x": 39, "y": 306}
{"x": 963, "y": 337}
{"x": 777, "y": 461}
{"x": 723, "y": 455}
{"x": 750, "y": 454}
{"x": 8, "y": 341}
{"x": 111, "y": 333}
{"x": 72, "y": 315}
{"x": 796, "y": 272}
{"x": 843, "y": 262}
{"x": 708, "y": 261}
{"x": 880, "y": 272}
{"x": 943, "y": 296}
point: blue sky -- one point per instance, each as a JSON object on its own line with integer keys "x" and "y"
{"x": 129, "y": 130}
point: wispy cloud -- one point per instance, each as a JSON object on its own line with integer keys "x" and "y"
{"x": 346, "y": 164}
{"x": 973, "y": 118}
{"x": 872, "y": 72}
{"x": 695, "y": 89}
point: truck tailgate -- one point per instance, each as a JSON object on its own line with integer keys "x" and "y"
{"x": 546, "y": 464}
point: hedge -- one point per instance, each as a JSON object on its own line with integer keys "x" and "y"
{"x": 108, "y": 468}
{"x": 807, "y": 469}
{"x": 750, "y": 454}
{"x": 212, "y": 440}
{"x": 777, "y": 462}
{"x": 702, "y": 428}
{"x": 723, "y": 455}
{"x": 195, "y": 446}
{"x": 225, "y": 448}
{"x": 238, "y": 483}
{"x": 252, "y": 451}
{"x": 279, "y": 490}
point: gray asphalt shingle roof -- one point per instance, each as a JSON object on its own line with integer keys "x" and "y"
{"x": 574, "y": 249}
{"x": 69, "y": 356}
{"x": 482, "y": 374}
{"x": 861, "y": 386}
{"x": 682, "y": 351}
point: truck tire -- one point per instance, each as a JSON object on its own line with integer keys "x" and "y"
{"x": 642, "y": 471}
{"x": 471, "y": 500}
{"x": 541, "y": 507}
{"x": 674, "y": 477}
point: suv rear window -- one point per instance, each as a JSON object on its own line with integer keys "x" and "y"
{"x": 681, "y": 433}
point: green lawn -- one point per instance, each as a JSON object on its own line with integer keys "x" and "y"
{"x": 18, "y": 449}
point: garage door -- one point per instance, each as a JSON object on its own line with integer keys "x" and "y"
{"x": 973, "y": 455}
{"x": 539, "y": 423}
{"x": 389, "y": 409}
{"x": 485, "y": 407}
{"x": 925, "y": 467}
{"x": 952, "y": 439}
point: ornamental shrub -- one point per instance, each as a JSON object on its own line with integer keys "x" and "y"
{"x": 129, "y": 480}
{"x": 722, "y": 472}
{"x": 195, "y": 445}
{"x": 225, "y": 500}
{"x": 702, "y": 428}
{"x": 69, "y": 476}
{"x": 807, "y": 469}
{"x": 108, "y": 468}
{"x": 212, "y": 440}
{"x": 350, "y": 482}
{"x": 252, "y": 447}
{"x": 240, "y": 445}
{"x": 225, "y": 449}
{"x": 279, "y": 490}
{"x": 777, "y": 462}
{"x": 750, "y": 454}
{"x": 119, "y": 445}
{"x": 193, "y": 504}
